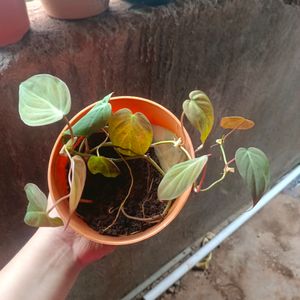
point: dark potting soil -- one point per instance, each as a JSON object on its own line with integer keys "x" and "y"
{"x": 108, "y": 193}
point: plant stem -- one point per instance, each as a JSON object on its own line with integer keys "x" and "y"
{"x": 154, "y": 164}
{"x": 167, "y": 208}
{"x": 81, "y": 145}
{"x": 94, "y": 149}
{"x": 68, "y": 153}
{"x": 223, "y": 154}
{"x": 70, "y": 128}
{"x": 233, "y": 130}
{"x": 200, "y": 147}
{"x": 107, "y": 144}
{"x": 99, "y": 146}
{"x": 163, "y": 143}
{"x": 57, "y": 202}
{"x": 126, "y": 158}
{"x": 185, "y": 152}
{"x": 174, "y": 143}
{"x": 81, "y": 154}
{"x": 87, "y": 147}
{"x": 214, "y": 183}
{"x": 231, "y": 161}
{"x": 225, "y": 171}
{"x": 125, "y": 199}
{"x": 146, "y": 157}
{"x": 198, "y": 188}
{"x": 110, "y": 144}
{"x": 150, "y": 219}
{"x": 182, "y": 128}
{"x": 71, "y": 167}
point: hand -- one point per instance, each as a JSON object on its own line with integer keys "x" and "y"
{"x": 48, "y": 264}
{"x": 83, "y": 250}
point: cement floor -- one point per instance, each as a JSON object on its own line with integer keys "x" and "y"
{"x": 260, "y": 261}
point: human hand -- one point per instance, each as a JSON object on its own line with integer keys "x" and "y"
{"x": 83, "y": 250}
{"x": 48, "y": 264}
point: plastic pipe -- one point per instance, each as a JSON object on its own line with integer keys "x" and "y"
{"x": 220, "y": 237}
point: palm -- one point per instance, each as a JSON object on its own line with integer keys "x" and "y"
{"x": 83, "y": 250}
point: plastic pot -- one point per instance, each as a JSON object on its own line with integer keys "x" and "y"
{"x": 14, "y": 22}
{"x": 57, "y": 173}
{"x": 74, "y": 9}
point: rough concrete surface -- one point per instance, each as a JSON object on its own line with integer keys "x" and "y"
{"x": 243, "y": 54}
{"x": 260, "y": 261}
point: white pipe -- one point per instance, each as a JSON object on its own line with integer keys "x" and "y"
{"x": 220, "y": 237}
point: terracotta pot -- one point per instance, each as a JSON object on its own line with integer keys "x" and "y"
{"x": 74, "y": 9}
{"x": 57, "y": 174}
{"x": 14, "y": 22}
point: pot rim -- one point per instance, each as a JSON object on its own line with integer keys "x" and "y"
{"x": 78, "y": 225}
{"x": 68, "y": 10}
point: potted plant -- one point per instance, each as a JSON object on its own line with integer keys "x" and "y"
{"x": 74, "y": 9}
{"x": 14, "y": 22}
{"x": 122, "y": 169}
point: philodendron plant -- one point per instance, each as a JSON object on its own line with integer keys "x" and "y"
{"x": 45, "y": 99}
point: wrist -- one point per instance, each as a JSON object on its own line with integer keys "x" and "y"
{"x": 57, "y": 243}
{"x": 46, "y": 266}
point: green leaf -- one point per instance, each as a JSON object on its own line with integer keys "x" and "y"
{"x": 37, "y": 199}
{"x": 180, "y": 177}
{"x": 36, "y": 214}
{"x": 78, "y": 172}
{"x": 167, "y": 154}
{"x": 41, "y": 219}
{"x": 200, "y": 113}
{"x": 102, "y": 165}
{"x": 253, "y": 166}
{"x": 43, "y": 99}
{"x": 129, "y": 131}
{"x": 94, "y": 120}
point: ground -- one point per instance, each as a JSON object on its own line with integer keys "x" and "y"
{"x": 260, "y": 261}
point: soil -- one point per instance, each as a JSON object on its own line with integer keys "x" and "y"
{"x": 108, "y": 193}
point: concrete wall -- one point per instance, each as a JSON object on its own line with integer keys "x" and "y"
{"x": 244, "y": 54}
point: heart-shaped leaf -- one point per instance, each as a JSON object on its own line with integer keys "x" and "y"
{"x": 180, "y": 177}
{"x": 102, "y": 165}
{"x": 235, "y": 122}
{"x": 200, "y": 113}
{"x": 43, "y": 99}
{"x": 41, "y": 219}
{"x": 36, "y": 197}
{"x": 78, "y": 172}
{"x": 253, "y": 166}
{"x": 36, "y": 214}
{"x": 129, "y": 131}
{"x": 167, "y": 154}
{"x": 94, "y": 120}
